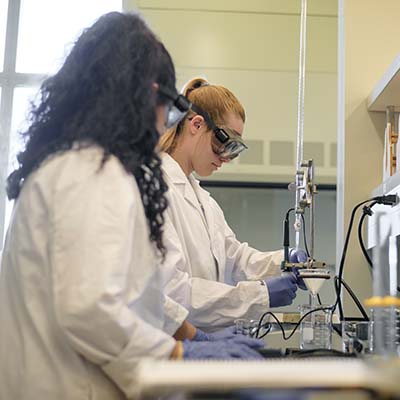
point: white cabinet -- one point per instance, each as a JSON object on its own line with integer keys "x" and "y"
{"x": 390, "y": 221}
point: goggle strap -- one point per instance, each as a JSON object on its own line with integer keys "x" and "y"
{"x": 171, "y": 95}
{"x": 179, "y": 101}
{"x": 182, "y": 104}
{"x": 205, "y": 115}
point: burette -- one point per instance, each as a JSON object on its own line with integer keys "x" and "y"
{"x": 304, "y": 178}
{"x": 299, "y": 180}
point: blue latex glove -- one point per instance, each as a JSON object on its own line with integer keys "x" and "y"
{"x": 296, "y": 256}
{"x": 227, "y": 333}
{"x": 282, "y": 290}
{"x": 300, "y": 282}
{"x": 237, "y": 347}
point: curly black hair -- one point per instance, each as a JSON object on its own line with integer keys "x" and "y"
{"x": 105, "y": 94}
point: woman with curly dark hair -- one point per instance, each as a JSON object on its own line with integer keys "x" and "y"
{"x": 80, "y": 293}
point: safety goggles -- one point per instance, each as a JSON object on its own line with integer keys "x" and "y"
{"x": 177, "y": 107}
{"x": 226, "y": 142}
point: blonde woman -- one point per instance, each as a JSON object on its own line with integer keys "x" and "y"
{"x": 216, "y": 277}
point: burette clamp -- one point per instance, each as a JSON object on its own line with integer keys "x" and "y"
{"x": 310, "y": 264}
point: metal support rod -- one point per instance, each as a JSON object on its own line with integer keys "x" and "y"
{"x": 302, "y": 69}
{"x": 300, "y": 114}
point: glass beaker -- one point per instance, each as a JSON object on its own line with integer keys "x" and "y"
{"x": 357, "y": 337}
{"x": 247, "y": 327}
{"x": 386, "y": 326}
{"x": 385, "y": 304}
{"x": 316, "y": 327}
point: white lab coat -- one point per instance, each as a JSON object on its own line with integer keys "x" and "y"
{"x": 80, "y": 300}
{"x": 207, "y": 269}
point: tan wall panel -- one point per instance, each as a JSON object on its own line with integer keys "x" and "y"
{"x": 271, "y": 103}
{"x": 253, "y": 49}
{"x": 270, "y": 100}
{"x": 322, "y": 7}
{"x": 371, "y": 28}
{"x": 244, "y": 41}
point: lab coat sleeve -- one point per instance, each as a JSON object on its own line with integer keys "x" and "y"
{"x": 210, "y": 303}
{"x": 244, "y": 263}
{"x": 175, "y": 315}
{"x": 94, "y": 302}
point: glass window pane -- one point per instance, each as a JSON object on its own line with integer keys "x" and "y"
{"x": 21, "y": 106}
{"x": 23, "y": 96}
{"x": 48, "y": 29}
{"x": 3, "y": 24}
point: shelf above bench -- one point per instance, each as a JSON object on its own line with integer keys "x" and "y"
{"x": 387, "y": 91}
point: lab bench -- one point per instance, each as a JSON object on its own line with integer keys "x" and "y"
{"x": 278, "y": 379}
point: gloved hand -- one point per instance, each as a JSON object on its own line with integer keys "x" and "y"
{"x": 296, "y": 256}
{"x": 282, "y": 290}
{"x": 238, "y": 347}
{"x": 300, "y": 282}
{"x": 227, "y": 333}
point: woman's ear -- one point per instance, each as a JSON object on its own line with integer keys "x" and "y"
{"x": 196, "y": 123}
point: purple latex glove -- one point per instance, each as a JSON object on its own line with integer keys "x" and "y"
{"x": 296, "y": 256}
{"x": 237, "y": 347}
{"x": 282, "y": 290}
{"x": 227, "y": 333}
{"x": 300, "y": 282}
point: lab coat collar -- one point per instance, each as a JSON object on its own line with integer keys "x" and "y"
{"x": 202, "y": 194}
{"x": 190, "y": 184}
{"x": 173, "y": 169}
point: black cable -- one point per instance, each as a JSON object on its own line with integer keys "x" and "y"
{"x": 304, "y": 235}
{"x": 366, "y": 212}
{"x": 269, "y": 327}
{"x": 355, "y": 299}
{"x": 304, "y": 228}
{"x": 286, "y": 236}
{"x": 339, "y": 302}
{"x": 340, "y": 275}
{"x": 260, "y": 324}
{"x": 353, "y": 296}
{"x": 337, "y": 330}
{"x": 341, "y": 267}
{"x": 288, "y": 212}
{"x": 390, "y": 200}
{"x": 386, "y": 199}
